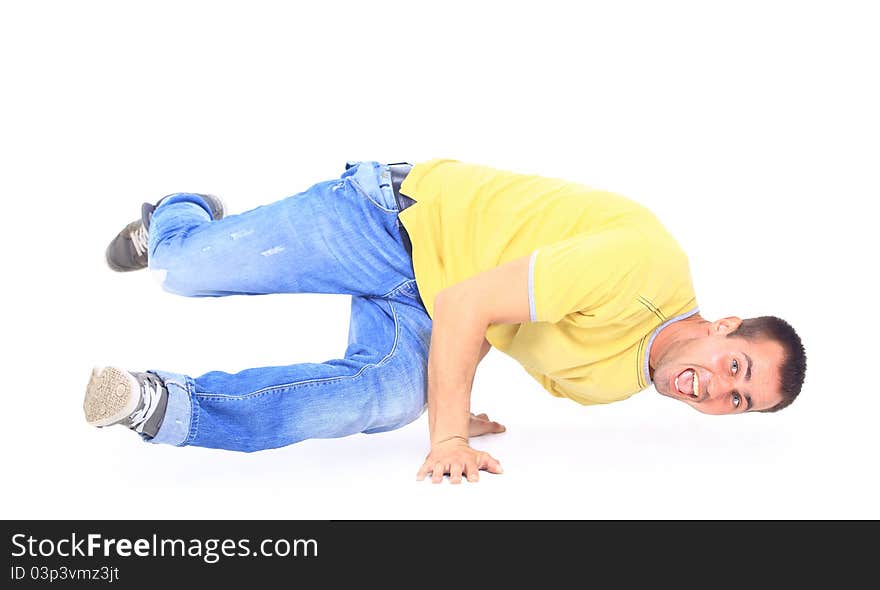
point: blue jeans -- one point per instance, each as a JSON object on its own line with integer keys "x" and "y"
{"x": 338, "y": 236}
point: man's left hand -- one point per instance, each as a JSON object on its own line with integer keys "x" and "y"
{"x": 480, "y": 425}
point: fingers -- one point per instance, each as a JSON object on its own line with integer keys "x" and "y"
{"x": 473, "y": 472}
{"x": 467, "y": 464}
{"x": 436, "y": 470}
{"x": 437, "y": 475}
{"x": 489, "y": 463}
{"x": 491, "y": 426}
{"x": 425, "y": 470}
{"x": 479, "y": 427}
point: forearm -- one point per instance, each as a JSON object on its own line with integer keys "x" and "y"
{"x": 457, "y": 345}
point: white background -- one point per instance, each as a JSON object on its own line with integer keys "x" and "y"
{"x": 750, "y": 128}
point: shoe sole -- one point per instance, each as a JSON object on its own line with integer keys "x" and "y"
{"x": 111, "y": 396}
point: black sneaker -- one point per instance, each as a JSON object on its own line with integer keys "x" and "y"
{"x": 128, "y": 250}
{"x": 116, "y": 396}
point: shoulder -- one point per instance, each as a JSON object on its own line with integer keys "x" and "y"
{"x": 659, "y": 243}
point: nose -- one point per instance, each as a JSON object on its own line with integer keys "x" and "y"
{"x": 720, "y": 386}
{"x": 716, "y": 394}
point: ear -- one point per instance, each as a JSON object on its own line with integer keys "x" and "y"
{"x": 726, "y": 325}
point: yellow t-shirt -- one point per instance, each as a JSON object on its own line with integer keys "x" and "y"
{"x": 604, "y": 274}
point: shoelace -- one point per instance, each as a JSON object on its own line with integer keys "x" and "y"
{"x": 139, "y": 239}
{"x": 151, "y": 395}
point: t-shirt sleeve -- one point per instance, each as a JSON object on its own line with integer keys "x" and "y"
{"x": 593, "y": 273}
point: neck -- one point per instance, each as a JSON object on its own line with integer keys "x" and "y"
{"x": 674, "y": 332}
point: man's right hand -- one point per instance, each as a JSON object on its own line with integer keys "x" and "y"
{"x": 456, "y": 458}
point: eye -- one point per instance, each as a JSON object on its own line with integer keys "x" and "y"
{"x": 737, "y": 400}
{"x": 736, "y": 366}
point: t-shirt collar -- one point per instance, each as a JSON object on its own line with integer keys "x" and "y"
{"x": 646, "y": 367}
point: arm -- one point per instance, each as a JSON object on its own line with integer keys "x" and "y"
{"x": 462, "y": 313}
{"x": 456, "y": 341}
{"x": 484, "y": 350}
{"x": 481, "y": 424}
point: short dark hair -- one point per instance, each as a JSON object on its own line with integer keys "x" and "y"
{"x": 794, "y": 365}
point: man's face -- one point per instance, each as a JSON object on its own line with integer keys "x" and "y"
{"x": 734, "y": 375}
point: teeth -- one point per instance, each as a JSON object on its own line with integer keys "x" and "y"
{"x": 696, "y": 389}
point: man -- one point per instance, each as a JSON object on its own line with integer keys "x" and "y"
{"x": 444, "y": 259}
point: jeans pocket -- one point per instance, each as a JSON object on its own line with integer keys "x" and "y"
{"x": 373, "y": 182}
{"x": 411, "y": 290}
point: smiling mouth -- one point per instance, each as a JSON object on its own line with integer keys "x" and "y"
{"x": 688, "y": 384}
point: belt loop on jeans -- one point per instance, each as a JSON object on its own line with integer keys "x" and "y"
{"x": 399, "y": 170}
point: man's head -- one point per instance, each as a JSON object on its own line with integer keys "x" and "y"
{"x": 756, "y": 364}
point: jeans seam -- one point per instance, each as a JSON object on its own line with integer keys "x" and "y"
{"x": 194, "y": 412}
{"x": 399, "y": 287}
{"x": 274, "y": 388}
